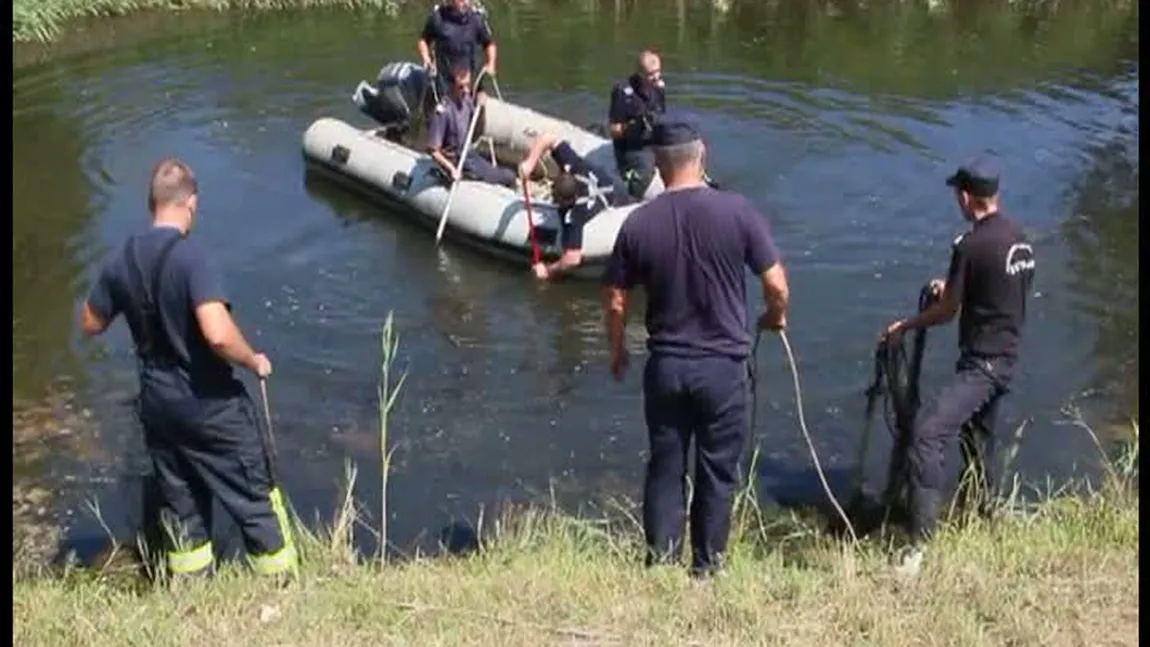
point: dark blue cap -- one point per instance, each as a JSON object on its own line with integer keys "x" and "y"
{"x": 672, "y": 130}
{"x": 978, "y": 177}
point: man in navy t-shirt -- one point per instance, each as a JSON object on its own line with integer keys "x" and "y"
{"x": 580, "y": 191}
{"x": 991, "y": 270}
{"x": 689, "y": 248}
{"x": 199, "y": 423}
{"x": 453, "y": 33}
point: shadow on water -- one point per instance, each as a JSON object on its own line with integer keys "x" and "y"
{"x": 507, "y": 396}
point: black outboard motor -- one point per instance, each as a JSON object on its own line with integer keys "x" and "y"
{"x": 397, "y": 98}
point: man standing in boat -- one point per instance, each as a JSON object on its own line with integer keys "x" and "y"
{"x": 454, "y": 32}
{"x": 636, "y": 103}
{"x": 688, "y": 248}
{"x": 447, "y": 132}
{"x": 580, "y": 191}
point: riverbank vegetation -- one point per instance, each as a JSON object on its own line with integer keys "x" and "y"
{"x": 1062, "y": 572}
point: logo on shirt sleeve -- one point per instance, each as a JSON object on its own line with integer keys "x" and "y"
{"x": 1019, "y": 258}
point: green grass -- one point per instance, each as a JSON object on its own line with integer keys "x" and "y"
{"x": 1063, "y": 572}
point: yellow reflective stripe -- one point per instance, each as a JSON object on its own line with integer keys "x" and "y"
{"x": 280, "y": 511}
{"x": 277, "y": 562}
{"x": 190, "y": 561}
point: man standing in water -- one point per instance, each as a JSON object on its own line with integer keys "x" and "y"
{"x": 687, "y": 248}
{"x": 453, "y": 32}
{"x": 636, "y": 103}
{"x": 991, "y": 269}
{"x": 199, "y": 422}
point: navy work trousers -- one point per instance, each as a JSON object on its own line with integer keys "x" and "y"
{"x": 478, "y": 167}
{"x": 704, "y": 399}
{"x": 205, "y": 448}
{"x": 966, "y": 407}
{"x": 637, "y": 168}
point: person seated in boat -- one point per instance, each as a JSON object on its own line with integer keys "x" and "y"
{"x": 453, "y": 33}
{"x": 447, "y": 135}
{"x": 636, "y": 104}
{"x": 580, "y": 191}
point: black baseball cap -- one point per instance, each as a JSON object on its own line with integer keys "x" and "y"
{"x": 978, "y": 177}
{"x": 674, "y": 129}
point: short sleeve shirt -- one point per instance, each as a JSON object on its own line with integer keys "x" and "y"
{"x": 690, "y": 250}
{"x": 991, "y": 268}
{"x": 189, "y": 277}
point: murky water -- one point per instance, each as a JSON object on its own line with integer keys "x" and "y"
{"x": 841, "y": 120}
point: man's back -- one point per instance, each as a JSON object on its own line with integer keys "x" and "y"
{"x": 689, "y": 249}
{"x": 994, "y": 266}
{"x": 187, "y": 279}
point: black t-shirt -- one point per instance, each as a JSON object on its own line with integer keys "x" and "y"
{"x": 597, "y": 191}
{"x": 991, "y": 267}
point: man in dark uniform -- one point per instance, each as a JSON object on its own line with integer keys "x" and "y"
{"x": 991, "y": 269}
{"x": 580, "y": 191}
{"x": 453, "y": 32}
{"x": 687, "y": 247}
{"x": 199, "y": 422}
{"x": 636, "y": 104}
{"x": 447, "y": 134}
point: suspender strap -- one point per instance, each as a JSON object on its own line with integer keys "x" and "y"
{"x": 154, "y": 347}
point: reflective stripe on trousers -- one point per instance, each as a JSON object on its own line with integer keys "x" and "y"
{"x": 285, "y": 558}
{"x": 189, "y": 561}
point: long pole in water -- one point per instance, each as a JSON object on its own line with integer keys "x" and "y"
{"x": 459, "y": 166}
{"x": 536, "y": 254}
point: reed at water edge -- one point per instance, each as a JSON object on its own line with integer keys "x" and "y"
{"x": 1060, "y": 572}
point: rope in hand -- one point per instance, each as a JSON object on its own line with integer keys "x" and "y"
{"x": 807, "y": 437}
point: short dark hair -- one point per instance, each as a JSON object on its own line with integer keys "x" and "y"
{"x": 172, "y": 182}
{"x": 459, "y": 71}
{"x": 565, "y": 188}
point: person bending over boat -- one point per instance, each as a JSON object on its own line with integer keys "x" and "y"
{"x": 447, "y": 134}
{"x": 636, "y": 103}
{"x": 580, "y": 191}
{"x": 454, "y": 32}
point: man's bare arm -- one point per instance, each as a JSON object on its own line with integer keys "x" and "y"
{"x": 615, "y": 317}
{"x": 223, "y": 335}
{"x": 776, "y": 293}
{"x": 90, "y": 322}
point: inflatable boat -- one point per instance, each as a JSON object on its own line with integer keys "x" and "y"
{"x": 388, "y": 163}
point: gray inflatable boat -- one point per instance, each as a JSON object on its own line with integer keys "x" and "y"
{"x": 389, "y": 164}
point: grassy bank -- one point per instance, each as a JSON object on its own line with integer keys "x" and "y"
{"x": 1062, "y": 573}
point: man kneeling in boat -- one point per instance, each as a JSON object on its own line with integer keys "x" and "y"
{"x": 447, "y": 135}
{"x": 580, "y": 191}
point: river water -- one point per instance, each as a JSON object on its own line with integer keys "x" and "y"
{"x": 839, "y": 120}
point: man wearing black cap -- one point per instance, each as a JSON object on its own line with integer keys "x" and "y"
{"x": 687, "y": 247}
{"x": 991, "y": 269}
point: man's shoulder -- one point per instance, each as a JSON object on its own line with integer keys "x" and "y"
{"x": 191, "y": 254}
{"x": 622, "y": 88}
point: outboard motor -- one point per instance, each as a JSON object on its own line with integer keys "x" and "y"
{"x": 397, "y": 98}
